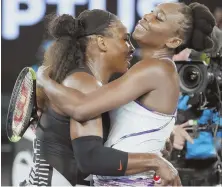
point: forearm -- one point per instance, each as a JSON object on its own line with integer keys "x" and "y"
{"x": 140, "y": 162}
{"x": 93, "y": 158}
{"x": 66, "y": 99}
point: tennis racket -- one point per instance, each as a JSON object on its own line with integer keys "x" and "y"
{"x": 22, "y": 109}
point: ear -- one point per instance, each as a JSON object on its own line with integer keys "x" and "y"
{"x": 101, "y": 43}
{"x": 174, "y": 42}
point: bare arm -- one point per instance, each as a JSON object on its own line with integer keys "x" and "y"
{"x": 89, "y": 154}
{"x": 140, "y": 79}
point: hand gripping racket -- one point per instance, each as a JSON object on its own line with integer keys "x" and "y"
{"x": 22, "y": 110}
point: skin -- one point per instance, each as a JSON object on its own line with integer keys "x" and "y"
{"x": 118, "y": 49}
{"x": 161, "y": 72}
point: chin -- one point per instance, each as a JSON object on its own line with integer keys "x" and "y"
{"x": 123, "y": 70}
{"x": 134, "y": 35}
{"x": 138, "y": 36}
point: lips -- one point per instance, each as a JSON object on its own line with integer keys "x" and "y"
{"x": 128, "y": 59}
{"x": 142, "y": 24}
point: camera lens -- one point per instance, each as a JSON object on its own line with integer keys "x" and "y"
{"x": 191, "y": 77}
{"x": 194, "y": 77}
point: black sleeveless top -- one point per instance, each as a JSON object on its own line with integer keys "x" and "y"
{"x": 53, "y": 133}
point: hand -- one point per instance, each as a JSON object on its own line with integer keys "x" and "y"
{"x": 42, "y": 75}
{"x": 183, "y": 102}
{"x": 217, "y": 119}
{"x": 183, "y": 55}
{"x": 181, "y": 136}
{"x": 168, "y": 174}
{"x": 34, "y": 122}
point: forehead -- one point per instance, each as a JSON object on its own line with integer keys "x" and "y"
{"x": 118, "y": 29}
{"x": 172, "y": 13}
{"x": 170, "y": 8}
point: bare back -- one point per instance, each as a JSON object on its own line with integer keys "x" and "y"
{"x": 84, "y": 83}
{"x": 162, "y": 99}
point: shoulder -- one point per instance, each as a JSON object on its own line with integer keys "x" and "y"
{"x": 154, "y": 67}
{"x": 81, "y": 81}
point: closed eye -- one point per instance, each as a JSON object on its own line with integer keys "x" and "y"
{"x": 127, "y": 38}
{"x": 159, "y": 16}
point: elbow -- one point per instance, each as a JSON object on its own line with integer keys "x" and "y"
{"x": 79, "y": 114}
{"x": 85, "y": 166}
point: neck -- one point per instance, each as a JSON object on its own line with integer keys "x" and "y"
{"x": 156, "y": 53}
{"x": 99, "y": 70}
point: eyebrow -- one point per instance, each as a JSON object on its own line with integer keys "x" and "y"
{"x": 160, "y": 10}
{"x": 128, "y": 35}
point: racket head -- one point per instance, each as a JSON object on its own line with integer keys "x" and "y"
{"x": 22, "y": 106}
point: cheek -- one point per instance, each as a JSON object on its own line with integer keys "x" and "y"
{"x": 164, "y": 28}
{"x": 121, "y": 50}
{"x": 159, "y": 34}
{"x": 160, "y": 30}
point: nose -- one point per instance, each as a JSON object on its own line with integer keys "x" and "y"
{"x": 131, "y": 48}
{"x": 148, "y": 17}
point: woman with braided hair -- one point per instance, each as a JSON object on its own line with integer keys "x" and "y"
{"x": 86, "y": 51}
{"x": 146, "y": 95}
{"x": 69, "y": 59}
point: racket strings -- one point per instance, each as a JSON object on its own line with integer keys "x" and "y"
{"x": 22, "y": 103}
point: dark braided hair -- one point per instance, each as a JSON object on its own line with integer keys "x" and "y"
{"x": 71, "y": 36}
{"x": 197, "y": 27}
{"x": 71, "y": 39}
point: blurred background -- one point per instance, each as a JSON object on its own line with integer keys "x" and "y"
{"x": 23, "y": 44}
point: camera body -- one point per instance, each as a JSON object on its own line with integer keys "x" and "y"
{"x": 194, "y": 76}
{"x": 202, "y": 80}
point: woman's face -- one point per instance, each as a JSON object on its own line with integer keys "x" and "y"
{"x": 160, "y": 26}
{"x": 119, "y": 49}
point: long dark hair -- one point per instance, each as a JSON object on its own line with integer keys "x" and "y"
{"x": 70, "y": 41}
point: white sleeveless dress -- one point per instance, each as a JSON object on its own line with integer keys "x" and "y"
{"x": 136, "y": 129}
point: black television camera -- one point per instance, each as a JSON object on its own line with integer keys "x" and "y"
{"x": 204, "y": 82}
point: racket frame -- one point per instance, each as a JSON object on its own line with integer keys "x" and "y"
{"x": 32, "y": 108}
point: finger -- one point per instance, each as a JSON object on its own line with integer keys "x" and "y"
{"x": 174, "y": 183}
{"x": 188, "y": 128}
{"x": 169, "y": 146}
{"x": 172, "y": 137}
{"x": 46, "y": 68}
{"x": 181, "y": 98}
{"x": 43, "y": 68}
{"x": 185, "y": 99}
{"x": 180, "y": 142}
{"x": 187, "y": 136}
{"x": 184, "y": 124}
{"x": 188, "y": 51}
{"x": 163, "y": 183}
{"x": 177, "y": 146}
{"x": 179, "y": 181}
{"x": 166, "y": 154}
{"x": 39, "y": 113}
{"x": 179, "y": 139}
